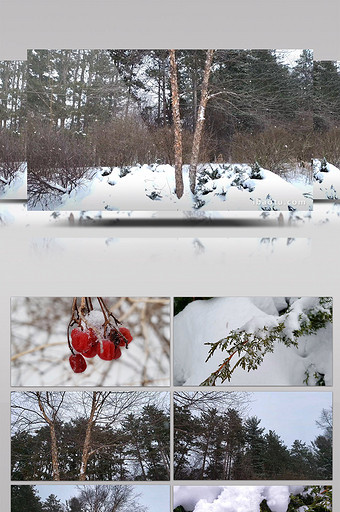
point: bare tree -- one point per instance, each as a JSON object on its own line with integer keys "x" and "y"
{"x": 200, "y": 121}
{"x": 205, "y": 400}
{"x": 38, "y": 408}
{"x": 177, "y": 125}
{"x": 105, "y": 408}
{"x": 113, "y": 498}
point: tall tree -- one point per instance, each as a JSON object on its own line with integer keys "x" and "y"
{"x": 37, "y": 407}
{"x": 25, "y": 497}
{"x": 200, "y": 121}
{"x": 52, "y": 504}
{"x": 177, "y": 126}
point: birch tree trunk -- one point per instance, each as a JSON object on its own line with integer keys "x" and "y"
{"x": 177, "y": 125}
{"x": 87, "y": 440}
{"x": 200, "y": 121}
{"x": 54, "y": 450}
{"x": 54, "y": 446}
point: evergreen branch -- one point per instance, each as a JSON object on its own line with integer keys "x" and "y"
{"x": 254, "y": 346}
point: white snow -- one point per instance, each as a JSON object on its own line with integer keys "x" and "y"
{"x": 234, "y": 498}
{"x": 205, "y": 321}
{"x": 152, "y": 187}
{"x": 326, "y": 181}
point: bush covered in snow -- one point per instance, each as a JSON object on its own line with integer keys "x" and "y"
{"x": 326, "y": 180}
{"x": 253, "y": 499}
{"x": 276, "y": 340}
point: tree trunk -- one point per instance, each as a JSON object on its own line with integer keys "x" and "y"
{"x": 177, "y": 126}
{"x": 200, "y": 121}
{"x": 87, "y": 440}
{"x": 54, "y": 445}
{"x": 205, "y": 454}
{"x": 54, "y": 450}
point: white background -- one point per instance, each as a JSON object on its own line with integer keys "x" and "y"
{"x": 191, "y": 260}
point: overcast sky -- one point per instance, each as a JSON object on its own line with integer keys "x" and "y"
{"x": 155, "y": 497}
{"x": 291, "y": 414}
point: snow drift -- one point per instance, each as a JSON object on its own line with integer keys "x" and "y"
{"x": 206, "y": 321}
{"x": 152, "y": 188}
{"x": 326, "y": 180}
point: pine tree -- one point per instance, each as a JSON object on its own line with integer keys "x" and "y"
{"x": 25, "y": 497}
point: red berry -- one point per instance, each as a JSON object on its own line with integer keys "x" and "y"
{"x": 77, "y": 363}
{"x": 118, "y": 353}
{"x": 80, "y": 340}
{"x": 92, "y": 336}
{"x": 125, "y": 332}
{"x": 92, "y": 350}
{"x": 107, "y": 350}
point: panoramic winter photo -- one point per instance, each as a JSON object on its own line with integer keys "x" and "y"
{"x": 90, "y": 435}
{"x": 273, "y": 498}
{"x": 326, "y": 106}
{"x": 234, "y": 435}
{"x": 264, "y": 341}
{"x": 178, "y": 130}
{"x": 90, "y": 498}
{"x": 12, "y": 130}
{"x": 90, "y": 341}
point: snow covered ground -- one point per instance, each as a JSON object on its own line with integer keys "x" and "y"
{"x": 17, "y": 188}
{"x": 235, "y": 499}
{"x": 326, "y": 181}
{"x": 207, "y": 321}
{"x": 219, "y": 187}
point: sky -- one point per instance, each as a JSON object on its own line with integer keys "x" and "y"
{"x": 291, "y": 414}
{"x": 155, "y": 497}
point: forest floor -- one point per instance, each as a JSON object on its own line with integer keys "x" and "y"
{"x": 220, "y": 187}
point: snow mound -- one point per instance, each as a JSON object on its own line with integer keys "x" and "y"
{"x": 207, "y": 321}
{"x": 152, "y": 188}
{"x": 326, "y": 180}
{"x": 233, "y": 498}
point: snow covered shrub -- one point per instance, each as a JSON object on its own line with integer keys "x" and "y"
{"x": 240, "y": 177}
{"x": 58, "y": 161}
{"x": 12, "y": 154}
{"x": 315, "y": 498}
{"x": 256, "y": 172}
{"x": 97, "y": 333}
{"x": 305, "y": 316}
{"x": 324, "y": 165}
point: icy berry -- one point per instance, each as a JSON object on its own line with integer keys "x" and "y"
{"x": 92, "y": 336}
{"x": 107, "y": 350}
{"x": 127, "y": 334}
{"x": 80, "y": 340}
{"x": 92, "y": 350}
{"x": 77, "y": 363}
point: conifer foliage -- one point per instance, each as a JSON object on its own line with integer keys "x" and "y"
{"x": 221, "y": 443}
{"x": 90, "y": 436}
{"x": 246, "y": 349}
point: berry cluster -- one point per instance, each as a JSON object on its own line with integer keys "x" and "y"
{"x": 87, "y": 344}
